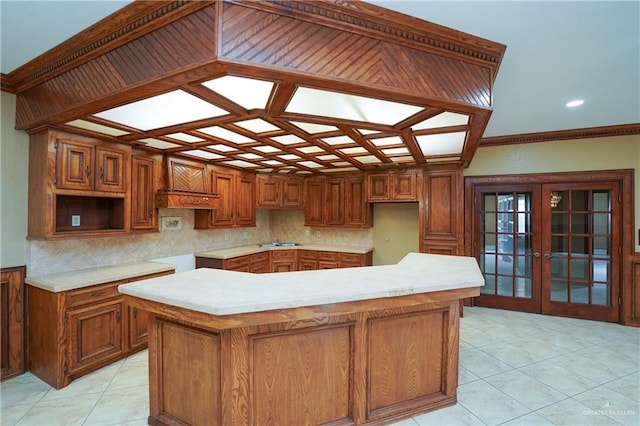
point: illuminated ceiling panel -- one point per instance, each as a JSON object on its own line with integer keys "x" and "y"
{"x": 287, "y": 139}
{"x": 184, "y": 137}
{"x": 203, "y": 154}
{"x": 87, "y": 125}
{"x": 445, "y": 119}
{"x": 442, "y": 144}
{"x": 228, "y": 135}
{"x": 313, "y": 128}
{"x": 168, "y": 109}
{"x": 257, "y": 125}
{"x": 349, "y": 107}
{"x": 246, "y": 92}
{"x": 158, "y": 144}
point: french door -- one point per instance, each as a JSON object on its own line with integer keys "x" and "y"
{"x": 549, "y": 248}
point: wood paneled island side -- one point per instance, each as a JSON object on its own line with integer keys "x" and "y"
{"x": 348, "y": 346}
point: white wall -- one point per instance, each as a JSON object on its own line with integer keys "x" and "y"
{"x": 14, "y": 160}
{"x": 610, "y": 153}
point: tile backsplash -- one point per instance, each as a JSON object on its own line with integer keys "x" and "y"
{"x": 46, "y": 257}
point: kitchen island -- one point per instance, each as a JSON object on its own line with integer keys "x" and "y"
{"x": 357, "y": 346}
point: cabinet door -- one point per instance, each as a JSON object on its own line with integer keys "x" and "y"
{"x": 358, "y": 211}
{"x": 12, "y": 318}
{"x": 268, "y": 192}
{"x": 335, "y": 201}
{"x": 142, "y": 194}
{"x": 74, "y": 165}
{"x": 223, "y": 186}
{"x": 378, "y": 187}
{"x": 138, "y": 327}
{"x": 95, "y": 334}
{"x": 314, "y": 202}
{"x": 405, "y": 186}
{"x": 110, "y": 170}
{"x": 292, "y": 192}
{"x": 245, "y": 200}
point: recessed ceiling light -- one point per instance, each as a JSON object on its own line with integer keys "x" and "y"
{"x": 574, "y": 103}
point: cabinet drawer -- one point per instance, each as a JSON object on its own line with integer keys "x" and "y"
{"x": 307, "y": 255}
{"x": 350, "y": 259}
{"x": 236, "y": 263}
{"x": 260, "y": 257}
{"x": 93, "y": 294}
{"x": 328, "y": 256}
{"x": 283, "y": 254}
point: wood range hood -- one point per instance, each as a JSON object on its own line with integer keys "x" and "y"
{"x": 292, "y": 87}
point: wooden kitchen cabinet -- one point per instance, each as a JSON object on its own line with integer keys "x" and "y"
{"x": 74, "y": 332}
{"x": 90, "y": 167}
{"x": 284, "y": 260}
{"x": 307, "y": 260}
{"x": 279, "y": 192}
{"x": 78, "y": 186}
{"x": 259, "y": 263}
{"x": 442, "y": 221}
{"x": 328, "y": 260}
{"x": 12, "y": 330}
{"x": 143, "y": 191}
{"x": 392, "y": 186}
{"x": 236, "y": 191}
{"x": 337, "y": 201}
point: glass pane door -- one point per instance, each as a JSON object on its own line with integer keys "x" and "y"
{"x": 580, "y": 250}
{"x": 506, "y": 252}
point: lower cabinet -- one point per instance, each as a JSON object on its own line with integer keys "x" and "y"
{"x": 284, "y": 261}
{"x": 72, "y": 333}
{"x": 12, "y": 321}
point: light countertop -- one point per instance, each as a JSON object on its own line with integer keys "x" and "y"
{"x": 221, "y": 292}
{"x": 71, "y": 280}
{"x": 255, "y": 248}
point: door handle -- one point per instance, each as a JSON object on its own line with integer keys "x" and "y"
{"x": 536, "y": 254}
{"x": 547, "y": 255}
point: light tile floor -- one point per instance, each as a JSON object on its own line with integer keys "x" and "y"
{"x": 515, "y": 369}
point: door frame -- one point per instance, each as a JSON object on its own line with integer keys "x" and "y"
{"x": 625, "y": 179}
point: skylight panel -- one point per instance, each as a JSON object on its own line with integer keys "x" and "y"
{"x": 240, "y": 163}
{"x": 222, "y": 148}
{"x": 354, "y": 150}
{"x": 310, "y": 149}
{"x": 185, "y": 137}
{"x": 159, "y": 144}
{"x": 313, "y": 128}
{"x": 257, "y": 125}
{"x": 164, "y": 110}
{"x": 328, "y": 157}
{"x": 289, "y": 156}
{"x": 395, "y": 151}
{"x": 349, "y": 107}
{"x": 228, "y": 135}
{"x": 441, "y": 144}
{"x": 340, "y": 169}
{"x": 444, "y": 119}
{"x": 249, "y": 93}
{"x": 310, "y": 164}
{"x": 99, "y": 128}
{"x": 406, "y": 159}
{"x": 203, "y": 154}
{"x": 338, "y": 140}
{"x": 390, "y": 140}
{"x": 267, "y": 148}
{"x": 287, "y": 139}
{"x": 368, "y": 159}
{"x": 250, "y": 156}
{"x": 273, "y": 162}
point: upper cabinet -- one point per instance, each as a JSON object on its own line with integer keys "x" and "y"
{"x": 188, "y": 186}
{"x": 393, "y": 186}
{"x": 236, "y": 193}
{"x": 78, "y": 186}
{"x": 144, "y": 175}
{"x": 89, "y": 167}
{"x": 337, "y": 201}
{"x": 279, "y": 192}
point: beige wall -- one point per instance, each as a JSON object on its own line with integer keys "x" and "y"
{"x": 395, "y": 232}
{"x": 611, "y": 153}
{"x": 14, "y": 160}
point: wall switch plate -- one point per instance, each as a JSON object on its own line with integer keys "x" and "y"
{"x": 226, "y": 236}
{"x": 75, "y": 220}
{"x": 307, "y": 232}
{"x": 318, "y": 234}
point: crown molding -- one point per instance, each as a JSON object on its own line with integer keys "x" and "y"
{"x": 585, "y": 133}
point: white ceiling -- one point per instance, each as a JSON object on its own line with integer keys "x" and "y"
{"x": 557, "y": 51}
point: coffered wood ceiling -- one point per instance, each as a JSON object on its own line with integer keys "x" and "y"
{"x": 280, "y": 86}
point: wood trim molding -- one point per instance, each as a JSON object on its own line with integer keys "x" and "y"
{"x": 585, "y": 133}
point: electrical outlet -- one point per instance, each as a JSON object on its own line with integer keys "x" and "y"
{"x": 226, "y": 236}
{"x": 75, "y": 220}
{"x": 318, "y": 234}
{"x": 307, "y": 232}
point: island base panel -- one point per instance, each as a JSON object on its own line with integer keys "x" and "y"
{"x": 370, "y": 367}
